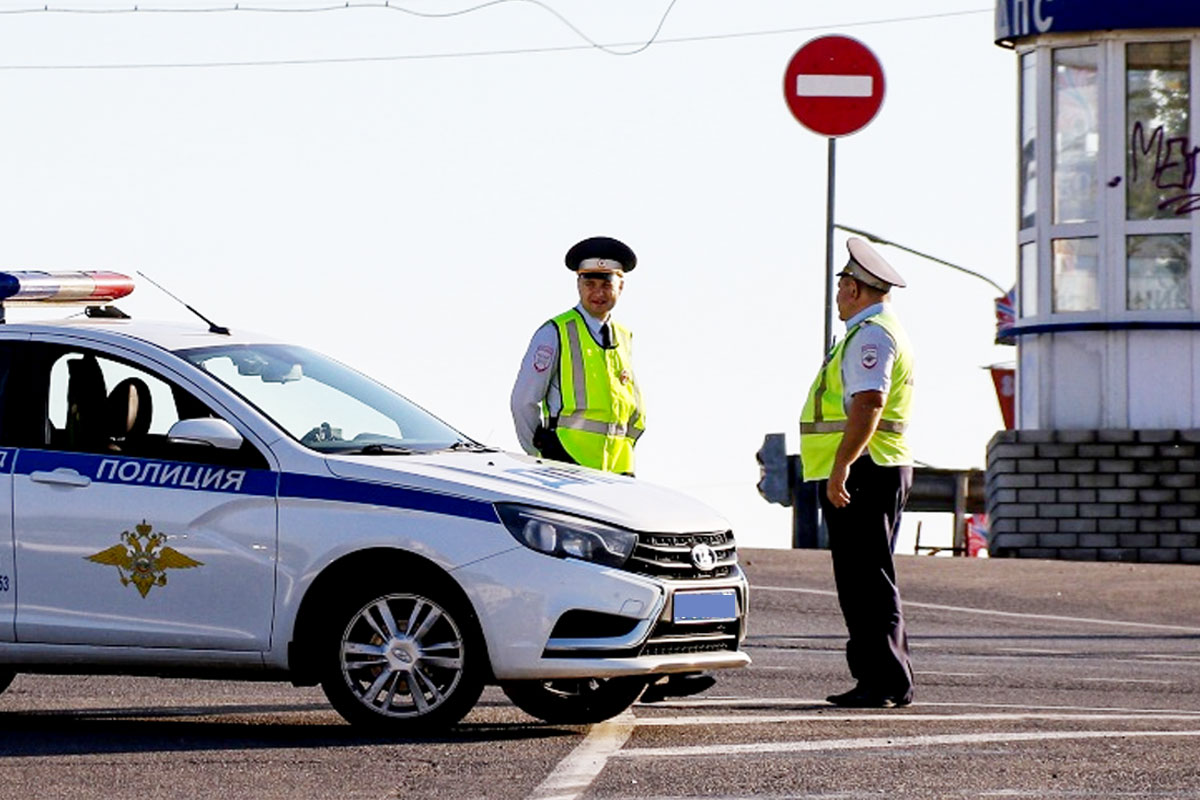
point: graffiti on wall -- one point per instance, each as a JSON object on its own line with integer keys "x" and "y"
{"x": 1174, "y": 167}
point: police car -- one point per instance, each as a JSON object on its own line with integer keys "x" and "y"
{"x": 187, "y": 500}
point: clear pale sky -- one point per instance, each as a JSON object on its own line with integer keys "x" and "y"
{"x": 399, "y": 191}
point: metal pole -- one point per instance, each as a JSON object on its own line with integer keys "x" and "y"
{"x": 829, "y": 174}
{"x": 961, "y": 489}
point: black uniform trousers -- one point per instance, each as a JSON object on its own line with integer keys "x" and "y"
{"x": 862, "y": 538}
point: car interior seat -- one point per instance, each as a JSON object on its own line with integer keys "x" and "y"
{"x": 128, "y": 412}
{"x": 86, "y": 398}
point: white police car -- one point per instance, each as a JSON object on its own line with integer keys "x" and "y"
{"x": 190, "y": 501}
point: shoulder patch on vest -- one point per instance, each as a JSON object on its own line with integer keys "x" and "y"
{"x": 870, "y": 356}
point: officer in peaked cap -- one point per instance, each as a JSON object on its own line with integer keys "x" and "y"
{"x": 576, "y": 398}
{"x": 600, "y": 254}
{"x": 868, "y": 267}
{"x": 853, "y": 438}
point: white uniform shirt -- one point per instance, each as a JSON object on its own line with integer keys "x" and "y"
{"x": 537, "y": 379}
{"x": 868, "y": 358}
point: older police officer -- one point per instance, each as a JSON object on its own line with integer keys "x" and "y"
{"x": 576, "y": 398}
{"x": 852, "y": 437}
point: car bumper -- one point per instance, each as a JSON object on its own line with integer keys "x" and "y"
{"x": 567, "y": 619}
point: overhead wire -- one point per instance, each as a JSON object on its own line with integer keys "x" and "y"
{"x": 591, "y": 44}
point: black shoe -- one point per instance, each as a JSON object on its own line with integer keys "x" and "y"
{"x": 681, "y": 685}
{"x": 863, "y": 698}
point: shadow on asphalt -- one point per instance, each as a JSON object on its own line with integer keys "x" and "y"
{"x": 185, "y": 728}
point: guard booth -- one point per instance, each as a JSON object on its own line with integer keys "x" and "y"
{"x": 1103, "y": 462}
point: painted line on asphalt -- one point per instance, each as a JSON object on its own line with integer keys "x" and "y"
{"x": 901, "y": 716}
{"x": 575, "y": 773}
{"x": 806, "y": 703}
{"x": 925, "y": 672}
{"x": 991, "y": 612}
{"x": 890, "y": 743}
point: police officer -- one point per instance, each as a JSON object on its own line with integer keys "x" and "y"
{"x": 852, "y": 438}
{"x": 576, "y": 398}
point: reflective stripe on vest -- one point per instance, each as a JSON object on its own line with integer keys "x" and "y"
{"x": 823, "y": 420}
{"x": 602, "y": 416}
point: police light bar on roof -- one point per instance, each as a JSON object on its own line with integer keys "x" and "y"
{"x": 63, "y": 287}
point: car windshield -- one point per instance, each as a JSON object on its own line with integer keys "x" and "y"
{"x": 324, "y": 404}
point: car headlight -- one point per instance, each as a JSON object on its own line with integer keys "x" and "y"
{"x": 567, "y": 536}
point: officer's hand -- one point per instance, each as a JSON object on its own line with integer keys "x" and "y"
{"x": 835, "y": 489}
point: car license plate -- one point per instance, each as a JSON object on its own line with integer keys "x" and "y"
{"x": 705, "y": 606}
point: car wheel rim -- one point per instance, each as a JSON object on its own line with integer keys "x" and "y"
{"x": 402, "y": 655}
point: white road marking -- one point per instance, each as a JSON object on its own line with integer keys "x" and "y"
{"x": 793, "y": 702}
{"x": 891, "y": 742}
{"x": 949, "y": 674}
{"x": 812, "y": 85}
{"x": 575, "y": 773}
{"x": 898, "y": 717}
{"x": 1124, "y": 680}
{"x": 991, "y": 612}
{"x": 1170, "y": 656}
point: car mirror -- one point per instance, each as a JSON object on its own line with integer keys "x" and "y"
{"x": 205, "y": 430}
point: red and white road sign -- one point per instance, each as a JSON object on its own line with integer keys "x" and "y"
{"x": 834, "y": 85}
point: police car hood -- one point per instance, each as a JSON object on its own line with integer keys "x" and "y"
{"x": 510, "y": 477}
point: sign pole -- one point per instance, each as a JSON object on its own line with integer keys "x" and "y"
{"x": 830, "y": 175}
{"x": 833, "y": 86}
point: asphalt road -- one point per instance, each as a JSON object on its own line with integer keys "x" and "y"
{"x": 1035, "y": 680}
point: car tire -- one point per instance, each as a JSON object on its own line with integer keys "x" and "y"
{"x": 402, "y": 660}
{"x": 576, "y": 701}
{"x": 6, "y": 678}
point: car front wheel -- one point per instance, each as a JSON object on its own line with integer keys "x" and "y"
{"x": 575, "y": 701}
{"x": 402, "y": 662}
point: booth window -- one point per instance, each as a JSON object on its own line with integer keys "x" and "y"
{"x": 1076, "y": 133}
{"x": 1029, "y": 282}
{"x": 1158, "y": 272}
{"x": 1028, "y": 139}
{"x": 1076, "y": 274}
{"x": 1161, "y": 160}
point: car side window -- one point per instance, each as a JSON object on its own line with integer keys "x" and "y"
{"x": 9, "y": 418}
{"x": 95, "y": 403}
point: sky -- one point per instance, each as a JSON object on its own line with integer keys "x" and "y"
{"x": 398, "y": 191}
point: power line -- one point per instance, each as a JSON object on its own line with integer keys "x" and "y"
{"x": 609, "y": 48}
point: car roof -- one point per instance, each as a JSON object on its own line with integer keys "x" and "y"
{"x": 165, "y": 335}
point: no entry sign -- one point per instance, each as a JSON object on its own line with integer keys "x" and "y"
{"x": 834, "y": 85}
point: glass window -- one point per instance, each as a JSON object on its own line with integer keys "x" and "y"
{"x": 1076, "y": 133}
{"x": 1028, "y": 139}
{"x": 1159, "y": 272}
{"x": 1029, "y": 283}
{"x": 92, "y": 403}
{"x": 1162, "y": 163}
{"x": 322, "y": 403}
{"x": 1076, "y": 274}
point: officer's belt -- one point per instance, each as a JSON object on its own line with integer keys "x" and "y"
{"x": 839, "y": 426}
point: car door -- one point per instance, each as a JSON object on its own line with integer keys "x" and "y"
{"x": 7, "y": 458}
{"x": 124, "y": 538}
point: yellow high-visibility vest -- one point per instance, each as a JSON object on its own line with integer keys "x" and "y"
{"x": 823, "y": 420}
{"x": 602, "y": 412}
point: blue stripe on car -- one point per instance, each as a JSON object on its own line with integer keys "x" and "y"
{"x": 342, "y": 490}
{"x": 122, "y": 470}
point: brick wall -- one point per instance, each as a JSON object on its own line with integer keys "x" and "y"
{"x": 1105, "y": 495}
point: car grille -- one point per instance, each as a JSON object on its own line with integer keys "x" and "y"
{"x": 669, "y": 555}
